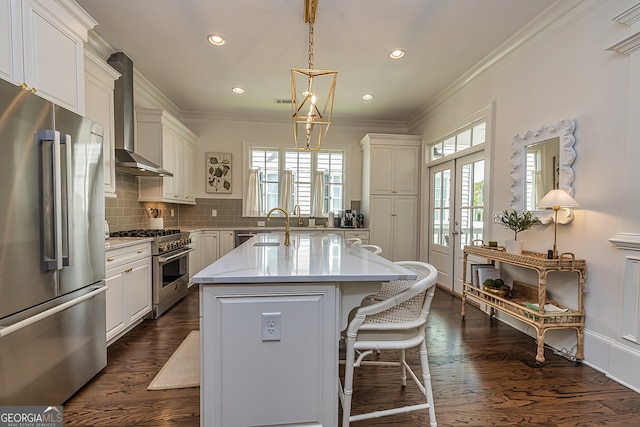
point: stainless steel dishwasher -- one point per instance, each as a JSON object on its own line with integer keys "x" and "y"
{"x": 244, "y": 235}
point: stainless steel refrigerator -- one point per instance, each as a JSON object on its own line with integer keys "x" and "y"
{"x": 52, "y": 290}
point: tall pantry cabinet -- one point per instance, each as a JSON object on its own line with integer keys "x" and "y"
{"x": 391, "y": 193}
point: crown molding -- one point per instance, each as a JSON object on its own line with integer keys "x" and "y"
{"x": 627, "y": 46}
{"x": 629, "y": 16}
{"x": 554, "y": 18}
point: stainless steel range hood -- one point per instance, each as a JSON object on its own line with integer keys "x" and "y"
{"x": 127, "y": 161}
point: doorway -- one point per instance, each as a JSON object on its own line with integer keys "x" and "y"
{"x": 456, "y": 214}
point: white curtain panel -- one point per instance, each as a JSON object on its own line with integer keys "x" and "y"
{"x": 317, "y": 195}
{"x": 286, "y": 192}
{"x": 252, "y": 200}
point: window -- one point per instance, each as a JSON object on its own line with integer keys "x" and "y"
{"x": 272, "y": 164}
{"x": 461, "y": 140}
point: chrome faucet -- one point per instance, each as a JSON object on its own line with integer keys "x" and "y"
{"x": 287, "y": 230}
{"x": 294, "y": 212}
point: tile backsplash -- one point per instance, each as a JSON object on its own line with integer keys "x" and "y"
{"x": 126, "y": 213}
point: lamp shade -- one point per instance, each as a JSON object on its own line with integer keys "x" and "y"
{"x": 559, "y": 198}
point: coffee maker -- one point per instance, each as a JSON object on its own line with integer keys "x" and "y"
{"x": 348, "y": 219}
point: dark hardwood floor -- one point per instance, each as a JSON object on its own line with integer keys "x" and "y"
{"x": 483, "y": 374}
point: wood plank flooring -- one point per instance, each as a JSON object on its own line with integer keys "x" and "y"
{"x": 483, "y": 374}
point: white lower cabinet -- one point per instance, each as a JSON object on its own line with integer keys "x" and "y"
{"x": 128, "y": 276}
{"x": 194, "y": 257}
{"x": 227, "y": 242}
{"x": 208, "y": 246}
{"x": 393, "y": 225}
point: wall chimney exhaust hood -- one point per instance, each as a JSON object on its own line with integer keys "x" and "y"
{"x": 127, "y": 161}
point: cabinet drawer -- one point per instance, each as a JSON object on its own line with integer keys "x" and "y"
{"x": 362, "y": 235}
{"x": 120, "y": 256}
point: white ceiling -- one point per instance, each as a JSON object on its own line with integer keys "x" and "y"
{"x": 167, "y": 41}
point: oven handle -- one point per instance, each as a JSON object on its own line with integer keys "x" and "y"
{"x": 180, "y": 254}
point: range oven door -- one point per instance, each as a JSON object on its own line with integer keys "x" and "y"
{"x": 170, "y": 279}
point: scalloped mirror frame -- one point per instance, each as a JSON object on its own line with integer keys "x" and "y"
{"x": 564, "y": 131}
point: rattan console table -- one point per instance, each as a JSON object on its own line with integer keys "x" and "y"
{"x": 542, "y": 321}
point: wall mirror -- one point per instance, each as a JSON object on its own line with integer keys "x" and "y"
{"x": 542, "y": 160}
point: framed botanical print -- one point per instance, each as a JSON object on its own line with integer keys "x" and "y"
{"x": 218, "y": 170}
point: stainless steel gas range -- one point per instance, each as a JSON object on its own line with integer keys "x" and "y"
{"x": 170, "y": 265}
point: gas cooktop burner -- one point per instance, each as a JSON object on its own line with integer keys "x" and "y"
{"x": 144, "y": 233}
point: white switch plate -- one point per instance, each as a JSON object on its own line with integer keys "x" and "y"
{"x": 172, "y": 213}
{"x": 260, "y": 223}
{"x": 271, "y": 326}
{"x": 214, "y": 212}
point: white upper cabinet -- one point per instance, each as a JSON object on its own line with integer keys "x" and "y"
{"x": 42, "y": 48}
{"x": 162, "y": 139}
{"x": 392, "y": 163}
{"x": 100, "y": 78}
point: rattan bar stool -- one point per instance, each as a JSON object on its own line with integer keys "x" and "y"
{"x": 396, "y": 323}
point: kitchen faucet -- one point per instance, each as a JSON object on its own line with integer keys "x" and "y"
{"x": 287, "y": 230}
{"x": 294, "y": 212}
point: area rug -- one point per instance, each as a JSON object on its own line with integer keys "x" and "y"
{"x": 182, "y": 370}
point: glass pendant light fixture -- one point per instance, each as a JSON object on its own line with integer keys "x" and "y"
{"x": 312, "y": 94}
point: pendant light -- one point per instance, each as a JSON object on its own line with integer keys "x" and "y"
{"x": 312, "y": 94}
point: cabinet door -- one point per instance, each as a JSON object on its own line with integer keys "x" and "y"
{"x": 209, "y": 247}
{"x": 114, "y": 297}
{"x": 405, "y": 228}
{"x": 137, "y": 289}
{"x": 405, "y": 170}
{"x": 227, "y": 242}
{"x": 382, "y": 165}
{"x": 53, "y": 57}
{"x": 194, "y": 257}
{"x": 100, "y": 79}
{"x": 381, "y": 224}
{"x": 188, "y": 172}
{"x": 169, "y": 163}
{"x": 10, "y": 41}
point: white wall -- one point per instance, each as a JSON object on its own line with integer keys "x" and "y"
{"x": 228, "y": 136}
{"x": 565, "y": 72}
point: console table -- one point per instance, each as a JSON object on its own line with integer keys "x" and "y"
{"x": 542, "y": 321}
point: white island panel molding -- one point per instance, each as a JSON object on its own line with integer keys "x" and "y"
{"x": 270, "y": 321}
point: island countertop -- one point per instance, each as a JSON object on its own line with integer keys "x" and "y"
{"x": 309, "y": 258}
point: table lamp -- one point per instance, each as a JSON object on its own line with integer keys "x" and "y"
{"x": 557, "y": 199}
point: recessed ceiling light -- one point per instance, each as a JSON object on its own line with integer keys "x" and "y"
{"x": 237, "y": 90}
{"x": 367, "y": 97}
{"x": 216, "y": 40}
{"x": 396, "y": 54}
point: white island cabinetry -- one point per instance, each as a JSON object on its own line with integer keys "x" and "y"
{"x": 128, "y": 276}
{"x": 276, "y": 301}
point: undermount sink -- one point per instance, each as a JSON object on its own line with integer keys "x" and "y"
{"x": 266, "y": 244}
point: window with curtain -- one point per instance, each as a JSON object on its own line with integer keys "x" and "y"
{"x": 302, "y": 164}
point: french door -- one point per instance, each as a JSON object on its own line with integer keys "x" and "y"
{"x": 456, "y": 214}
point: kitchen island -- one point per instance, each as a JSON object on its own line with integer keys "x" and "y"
{"x": 270, "y": 321}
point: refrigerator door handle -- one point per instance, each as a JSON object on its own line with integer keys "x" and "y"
{"x": 65, "y": 205}
{"x": 51, "y": 209}
{"x": 6, "y": 330}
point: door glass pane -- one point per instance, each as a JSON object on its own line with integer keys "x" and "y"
{"x": 472, "y": 203}
{"x": 441, "y": 207}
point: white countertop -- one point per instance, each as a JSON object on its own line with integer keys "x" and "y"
{"x": 309, "y": 258}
